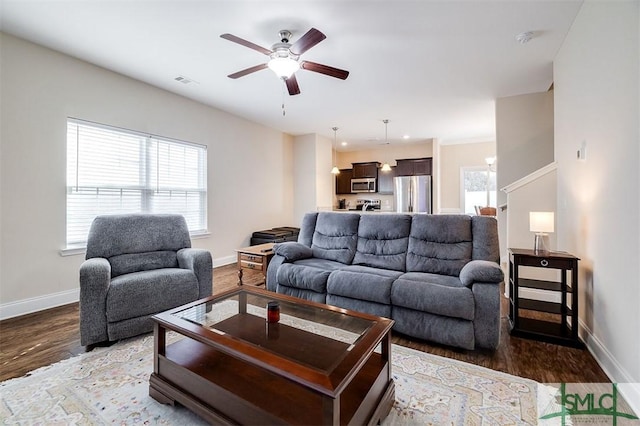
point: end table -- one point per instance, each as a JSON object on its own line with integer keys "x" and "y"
{"x": 564, "y": 331}
{"x": 256, "y": 258}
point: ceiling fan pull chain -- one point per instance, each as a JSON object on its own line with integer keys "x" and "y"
{"x": 284, "y": 112}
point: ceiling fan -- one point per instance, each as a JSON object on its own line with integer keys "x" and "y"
{"x": 285, "y": 58}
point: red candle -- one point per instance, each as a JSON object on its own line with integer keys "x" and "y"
{"x": 273, "y": 312}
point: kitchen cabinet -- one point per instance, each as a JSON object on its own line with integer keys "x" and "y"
{"x": 559, "y": 323}
{"x": 365, "y": 170}
{"x": 414, "y": 167}
{"x": 385, "y": 181}
{"x": 343, "y": 181}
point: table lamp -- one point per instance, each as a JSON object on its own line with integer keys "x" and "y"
{"x": 541, "y": 223}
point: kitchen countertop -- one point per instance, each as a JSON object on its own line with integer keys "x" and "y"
{"x": 361, "y": 212}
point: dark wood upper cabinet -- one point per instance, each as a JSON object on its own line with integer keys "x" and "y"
{"x": 343, "y": 181}
{"x": 414, "y": 167}
{"x": 365, "y": 170}
{"x": 385, "y": 181}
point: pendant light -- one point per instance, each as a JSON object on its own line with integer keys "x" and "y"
{"x": 335, "y": 170}
{"x": 385, "y": 167}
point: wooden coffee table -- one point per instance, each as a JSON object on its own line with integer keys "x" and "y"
{"x": 317, "y": 365}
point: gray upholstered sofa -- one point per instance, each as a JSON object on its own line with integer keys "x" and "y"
{"x": 437, "y": 276}
{"x": 136, "y": 266}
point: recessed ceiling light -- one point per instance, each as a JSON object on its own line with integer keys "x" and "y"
{"x": 406, "y": 137}
{"x": 344, "y": 144}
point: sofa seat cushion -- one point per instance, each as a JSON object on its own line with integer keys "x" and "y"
{"x": 363, "y": 283}
{"x": 449, "y": 331}
{"x": 302, "y": 293}
{"x": 307, "y": 274}
{"x": 445, "y": 280}
{"x": 149, "y": 292}
{"x": 382, "y": 241}
{"x": 135, "y": 262}
{"x": 440, "y": 244}
{"x": 335, "y": 237}
{"x": 425, "y": 296}
{"x": 358, "y": 305}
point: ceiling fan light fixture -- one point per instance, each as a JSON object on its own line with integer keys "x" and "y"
{"x": 283, "y": 67}
{"x": 335, "y": 170}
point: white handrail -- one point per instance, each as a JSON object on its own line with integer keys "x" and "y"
{"x": 530, "y": 177}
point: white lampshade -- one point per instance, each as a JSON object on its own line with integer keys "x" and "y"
{"x": 335, "y": 170}
{"x": 541, "y": 221}
{"x": 283, "y": 67}
{"x": 385, "y": 167}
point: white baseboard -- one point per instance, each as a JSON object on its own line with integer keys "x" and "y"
{"x": 39, "y": 303}
{"x": 53, "y": 300}
{"x": 227, "y": 260}
{"x": 629, "y": 389}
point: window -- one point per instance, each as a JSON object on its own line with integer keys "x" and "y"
{"x": 112, "y": 171}
{"x": 478, "y": 188}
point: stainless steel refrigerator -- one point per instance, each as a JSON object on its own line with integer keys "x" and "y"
{"x": 412, "y": 194}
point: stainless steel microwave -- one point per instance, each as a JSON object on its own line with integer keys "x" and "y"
{"x": 363, "y": 185}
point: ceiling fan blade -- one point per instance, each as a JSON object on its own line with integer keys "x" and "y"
{"x": 292, "y": 85}
{"x": 246, "y": 43}
{"x": 247, "y": 71}
{"x": 324, "y": 69}
{"x": 307, "y": 41}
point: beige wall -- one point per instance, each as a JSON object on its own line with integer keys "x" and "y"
{"x": 524, "y": 144}
{"x": 452, "y": 158}
{"x": 249, "y": 166}
{"x": 304, "y": 171}
{"x": 597, "y": 97}
{"x": 524, "y": 136}
{"x": 324, "y": 179}
{"x": 313, "y": 182}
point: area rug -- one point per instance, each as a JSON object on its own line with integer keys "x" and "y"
{"x": 110, "y": 386}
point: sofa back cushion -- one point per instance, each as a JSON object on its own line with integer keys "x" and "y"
{"x": 485, "y": 238}
{"x": 335, "y": 236}
{"x": 383, "y": 241}
{"x": 307, "y": 228}
{"x": 135, "y": 262}
{"x": 440, "y": 244}
{"x": 113, "y": 235}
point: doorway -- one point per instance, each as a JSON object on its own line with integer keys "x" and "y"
{"x": 478, "y": 188}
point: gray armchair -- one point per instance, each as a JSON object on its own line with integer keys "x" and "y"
{"x": 136, "y": 266}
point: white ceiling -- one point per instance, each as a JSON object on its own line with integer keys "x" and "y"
{"x": 433, "y": 68}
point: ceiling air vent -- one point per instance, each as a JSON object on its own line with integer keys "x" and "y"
{"x": 184, "y": 80}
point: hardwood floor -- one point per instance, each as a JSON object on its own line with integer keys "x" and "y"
{"x": 35, "y": 340}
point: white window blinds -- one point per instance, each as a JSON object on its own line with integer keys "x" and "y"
{"x": 111, "y": 171}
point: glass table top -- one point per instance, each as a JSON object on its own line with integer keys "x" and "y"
{"x": 307, "y": 334}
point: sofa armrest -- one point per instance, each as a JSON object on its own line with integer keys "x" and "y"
{"x": 482, "y": 271}
{"x": 293, "y": 251}
{"x": 272, "y": 272}
{"x": 200, "y": 262}
{"x": 95, "y": 277}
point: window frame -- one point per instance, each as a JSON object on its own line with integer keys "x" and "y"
{"x": 149, "y": 186}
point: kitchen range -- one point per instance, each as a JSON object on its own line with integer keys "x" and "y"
{"x": 367, "y": 204}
